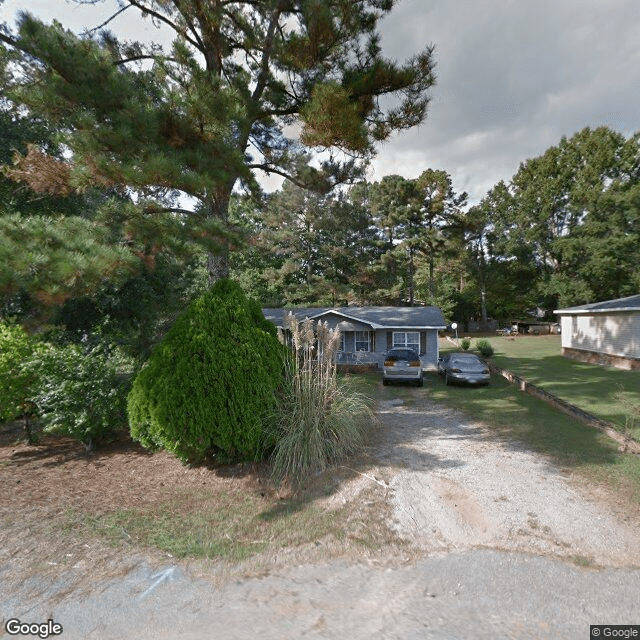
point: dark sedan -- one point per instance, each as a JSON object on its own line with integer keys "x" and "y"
{"x": 463, "y": 367}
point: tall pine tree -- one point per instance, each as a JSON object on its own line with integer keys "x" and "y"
{"x": 195, "y": 119}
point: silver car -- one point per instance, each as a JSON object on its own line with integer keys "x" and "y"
{"x": 402, "y": 365}
{"x": 463, "y": 367}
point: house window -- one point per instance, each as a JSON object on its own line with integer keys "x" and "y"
{"x": 341, "y": 345}
{"x": 407, "y": 340}
{"x": 362, "y": 341}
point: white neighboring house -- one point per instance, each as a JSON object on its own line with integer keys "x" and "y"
{"x": 604, "y": 332}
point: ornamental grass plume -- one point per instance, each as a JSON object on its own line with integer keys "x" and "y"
{"x": 321, "y": 419}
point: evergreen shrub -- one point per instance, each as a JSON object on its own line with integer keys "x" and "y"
{"x": 465, "y": 343}
{"x": 209, "y": 388}
{"x": 484, "y": 348}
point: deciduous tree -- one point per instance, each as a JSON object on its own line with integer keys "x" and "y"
{"x": 565, "y": 229}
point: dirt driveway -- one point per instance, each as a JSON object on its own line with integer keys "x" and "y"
{"x": 455, "y": 486}
{"x": 501, "y": 544}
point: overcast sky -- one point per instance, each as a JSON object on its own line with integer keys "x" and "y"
{"x": 514, "y": 76}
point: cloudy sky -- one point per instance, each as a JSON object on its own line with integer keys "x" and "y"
{"x": 514, "y": 76}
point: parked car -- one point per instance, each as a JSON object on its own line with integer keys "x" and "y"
{"x": 463, "y": 367}
{"x": 402, "y": 365}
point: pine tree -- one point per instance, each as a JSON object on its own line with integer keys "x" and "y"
{"x": 416, "y": 217}
{"x": 207, "y": 114}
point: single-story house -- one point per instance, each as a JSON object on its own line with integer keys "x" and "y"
{"x": 367, "y": 333}
{"x": 603, "y": 332}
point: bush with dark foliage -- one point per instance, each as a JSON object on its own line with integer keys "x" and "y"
{"x": 209, "y": 388}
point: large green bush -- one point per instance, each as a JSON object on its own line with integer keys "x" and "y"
{"x": 209, "y": 388}
{"x": 78, "y": 392}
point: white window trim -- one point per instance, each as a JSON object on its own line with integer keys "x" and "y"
{"x": 356, "y": 341}
{"x": 405, "y": 344}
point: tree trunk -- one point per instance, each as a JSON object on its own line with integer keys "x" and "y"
{"x": 483, "y": 303}
{"x": 483, "y": 289}
{"x": 218, "y": 262}
{"x": 411, "y": 279}
{"x": 218, "y": 265}
{"x": 432, "y": 280}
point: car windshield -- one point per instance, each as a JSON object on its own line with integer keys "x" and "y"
{"x": 402, "y": 354}
{"x": 465, "y": 361}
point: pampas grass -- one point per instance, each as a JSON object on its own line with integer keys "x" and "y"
{"x": 321, "y": 419}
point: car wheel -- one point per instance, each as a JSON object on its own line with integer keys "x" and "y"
{"x": 420, "y": 382}
{"x": 385, "y": 382}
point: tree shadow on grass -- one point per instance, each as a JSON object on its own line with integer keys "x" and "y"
{"x": 593, "y": 388}
{"x": 515, "y": 415}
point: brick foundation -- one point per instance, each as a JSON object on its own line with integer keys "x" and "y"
{"x": 606, "y": 359}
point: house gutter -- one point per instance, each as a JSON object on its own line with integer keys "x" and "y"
{"x": 576, "y": 312}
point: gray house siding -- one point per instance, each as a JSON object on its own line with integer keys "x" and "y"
{"x": 365, "y": 342}
{"x": 379, "y": 340}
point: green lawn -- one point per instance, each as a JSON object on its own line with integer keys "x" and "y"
{"x": 567, "y": 442}
{"x": 598, "y": 390}
{"x": 610, "y": 394}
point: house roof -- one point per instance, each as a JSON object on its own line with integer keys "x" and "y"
{"x": 375, "y": 317}
{"x": 631, "y": 303}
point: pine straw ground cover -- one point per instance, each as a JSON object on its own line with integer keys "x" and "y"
{"x": 60, "y": 506}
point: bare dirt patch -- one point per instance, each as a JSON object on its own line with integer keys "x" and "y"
{"x": 64, "y": 509}
{"x": 442, "y": 529}
{"x": 431, "y": 480}
{"x": 58, "y": 472}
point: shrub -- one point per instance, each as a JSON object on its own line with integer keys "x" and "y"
{"x": 209, "y": 388}
{"x": 16, "y": 348}
{"x": 78, "y": 392}
{"x": 321, "y": 419}
{"x": 484, "y": 348}
{"x": 465, "y": 343}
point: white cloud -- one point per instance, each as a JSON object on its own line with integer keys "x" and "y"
{"x": 513, "y": 78}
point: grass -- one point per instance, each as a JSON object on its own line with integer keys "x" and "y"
{"x": 520, "y": 417}
{"x": 321, "y": 419}
{"x": 239, "y": 526}
{"x": 565, "y": 441}
{"x": 610, "y": 394}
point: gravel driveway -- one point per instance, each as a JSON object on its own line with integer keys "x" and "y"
{"x": 456, "y": 486}
{"x": 508, "y": 546}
